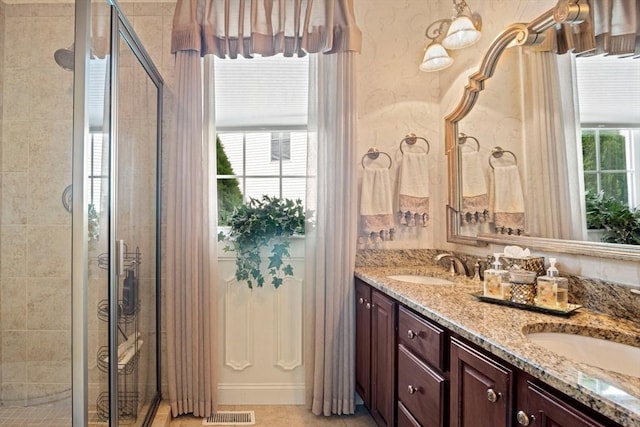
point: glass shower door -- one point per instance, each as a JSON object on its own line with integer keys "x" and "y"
{"x": 134, "y": 234}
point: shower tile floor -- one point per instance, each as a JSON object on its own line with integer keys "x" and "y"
{"x": 287, "y": 416}
{"x": 42, "y": 415}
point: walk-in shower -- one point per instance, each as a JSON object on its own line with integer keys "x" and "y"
{"x": 78, "y": 274}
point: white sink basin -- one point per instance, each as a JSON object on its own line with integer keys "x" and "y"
{"x": 609, "y": 355}
{"x": 416, "y": 278}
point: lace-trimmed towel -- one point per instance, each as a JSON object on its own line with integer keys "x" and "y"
{"x": 475, "y": 198}
{"x": 376, "y": 210}
{"x": 508, "y": 200}
{"x": 413, "y": 189}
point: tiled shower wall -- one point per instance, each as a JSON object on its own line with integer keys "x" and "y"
{"x": 2, "y": 25}
{"x": 35, "y": 229}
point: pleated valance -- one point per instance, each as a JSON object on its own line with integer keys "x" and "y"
{"x": 228, "y": 28}
{"x": 612, "y": 28}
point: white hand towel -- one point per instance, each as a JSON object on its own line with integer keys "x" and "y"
{"x": 508, "y": 200}
{"x": 376, "y": 209}
{"x": 475, "y": 199}
{"x": 413, "y": 189}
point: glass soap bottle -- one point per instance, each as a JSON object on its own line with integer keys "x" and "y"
{"x": 553, "y": 290}
{"x": 496, "y": 280}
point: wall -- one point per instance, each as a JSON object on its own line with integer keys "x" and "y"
{"x": 35, "y": 232}
{"x": 2, "y": 25}
{"x": 395, "y": 98}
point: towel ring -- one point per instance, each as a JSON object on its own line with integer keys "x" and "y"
{"x": 373, "y": 153}
{"x": 462, "y": 139}
{"x": 411, "y": 139}
{"x": 497, "y": 152}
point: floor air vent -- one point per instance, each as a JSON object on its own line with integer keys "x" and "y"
{"x": 231, "y": 418}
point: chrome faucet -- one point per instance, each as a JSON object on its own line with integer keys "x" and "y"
{"x": 456, "y": 264}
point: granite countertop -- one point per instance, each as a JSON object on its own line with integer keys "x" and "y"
{"x": 500, "y": 330}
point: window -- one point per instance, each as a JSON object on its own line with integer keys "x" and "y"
{"x": 280, "y": 146}
{"x": 610, "y": 120}
{"x": 609, "y": 160}
{"x": 261, "y": 124}
{"x": 96, "y": 176}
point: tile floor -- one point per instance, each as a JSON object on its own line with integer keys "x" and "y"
{"x": 287, "y": 416}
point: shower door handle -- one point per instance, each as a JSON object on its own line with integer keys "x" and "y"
{"x": 120, "y": 258}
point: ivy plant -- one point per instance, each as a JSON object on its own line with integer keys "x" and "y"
{"x": 263, "y": 223}
{"x": 621, "y": 224}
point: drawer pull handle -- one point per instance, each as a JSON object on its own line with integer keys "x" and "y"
{"x": 361, "y": 300}
{"x": 368, "y": 306}
{"x": 412, "y": 389}
{"x": 411, "y": 335}
{"x": 492, "y": 396}
{"x": 524, "y": 419}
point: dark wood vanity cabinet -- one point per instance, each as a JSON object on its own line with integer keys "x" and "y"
{"x": 481, "y": 388}
{"x": 538, "y": 407}
{"x": 376, "y": 352}
{"x": 412, "y": 372}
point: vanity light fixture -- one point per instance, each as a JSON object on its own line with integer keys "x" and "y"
{"x": 460, "y": 31}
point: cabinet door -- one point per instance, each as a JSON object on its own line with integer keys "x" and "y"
{"x": 383, "y": 358}
{"x": 480, "y": 389}
{"x": 546, "y": 410}
{"x": 363, "y": 342}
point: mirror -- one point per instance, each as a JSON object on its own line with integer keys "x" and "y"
{"x": 500, "y": 152}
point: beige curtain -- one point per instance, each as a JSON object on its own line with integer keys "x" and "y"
{"x": 228, "y": 28}
{"x": 555, "y": 159}
{"x": 330, "y": 246}
{"x": 612, "y": 27}
{"x": 190, "y": 301}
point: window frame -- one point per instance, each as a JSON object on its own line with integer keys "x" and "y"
{"x": 632, "y": 159}
{"x": 244, "y": 130}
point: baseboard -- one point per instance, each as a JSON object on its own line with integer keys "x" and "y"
{"x": 261, "y": 394}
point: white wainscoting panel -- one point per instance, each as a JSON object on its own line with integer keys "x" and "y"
{"x": 260, "y": 333}
{"x": 238, "y": 325}
{"x": 288, "y": 324}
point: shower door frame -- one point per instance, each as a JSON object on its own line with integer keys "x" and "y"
{"x": 120, "y": 27}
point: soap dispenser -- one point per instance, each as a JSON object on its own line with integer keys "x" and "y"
{"x": 553, "y": 290}
{"x": 496, "y": 280}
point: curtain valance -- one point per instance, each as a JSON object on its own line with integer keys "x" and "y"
{"x": 228, "y": 28}
{"x": 612, "y": 28}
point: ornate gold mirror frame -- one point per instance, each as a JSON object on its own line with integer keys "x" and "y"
{"x": 522, "y": 34}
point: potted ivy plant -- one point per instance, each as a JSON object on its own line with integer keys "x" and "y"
{"x": 268, "y": 222}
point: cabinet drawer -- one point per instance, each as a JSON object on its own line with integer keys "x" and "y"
{"x": 420, "y": 389}
{"x": 423, "y": 338}
{"x": 405, "y": 419}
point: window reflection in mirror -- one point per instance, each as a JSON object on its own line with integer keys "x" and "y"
{"x": 608, "y": 89}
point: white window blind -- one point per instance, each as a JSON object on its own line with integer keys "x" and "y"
{"x": 608, "y": 90}
{"x": 266, "y": 93}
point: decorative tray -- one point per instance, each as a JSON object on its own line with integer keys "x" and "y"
{"x": 571, "y": 308}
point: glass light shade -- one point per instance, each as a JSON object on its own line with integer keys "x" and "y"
{"x": 435, "y": 58}
{"x": 462, "y": 33}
